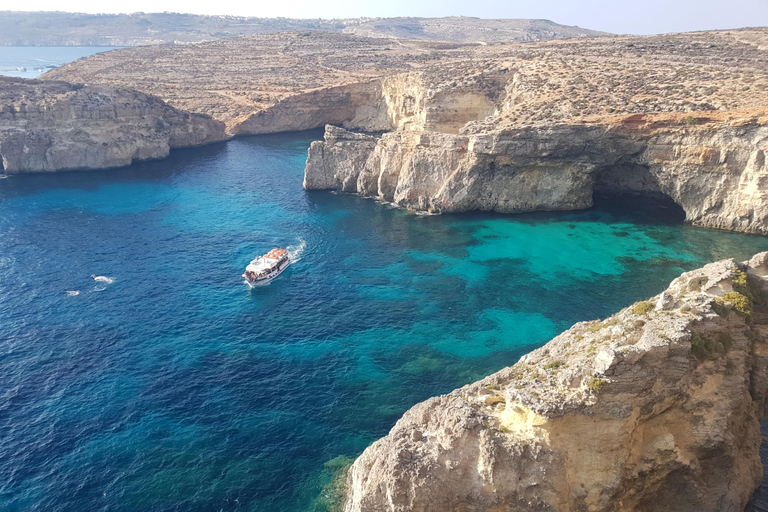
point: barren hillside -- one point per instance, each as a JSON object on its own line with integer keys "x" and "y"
{"x": 527, "y": 83}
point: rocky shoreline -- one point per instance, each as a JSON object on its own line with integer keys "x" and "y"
{"x": 48, "y": 126}
{"x": 656, "y": 408}
{"x": 714, "y": 169}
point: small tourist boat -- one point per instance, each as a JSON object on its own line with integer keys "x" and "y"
{"x": 21, "y": 68}
{"x": 265, "y": 268}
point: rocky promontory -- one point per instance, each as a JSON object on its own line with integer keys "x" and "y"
{"x": 51, "y": 126}
{"x": 546, "y": 130}
{"x": 713, "y": 166}
{"x": 252, "y": 82}
{"x": 655, "y": 408}
{"x": 503, "y": 127}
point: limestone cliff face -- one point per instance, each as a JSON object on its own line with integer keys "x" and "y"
{"x": 419, "y": 101}
{"x": 357, "y": 106}
{"x": 51, "y": 126}
{"x": 656, "y": 408}
{"x": 715, "y": 171}
{"x": 404, "y": 101}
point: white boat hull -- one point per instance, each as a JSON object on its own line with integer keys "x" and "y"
{"x": 269, "y": 277}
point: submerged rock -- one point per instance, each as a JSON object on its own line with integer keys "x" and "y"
{"x": 51, "y": 126}
{"x": 656, "y": 408}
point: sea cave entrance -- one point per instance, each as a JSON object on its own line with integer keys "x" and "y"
{"x": 633, "y": 189}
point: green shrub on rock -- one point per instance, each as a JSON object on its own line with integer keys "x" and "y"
{"x": 596, "y": 384}
{"x": 733, "y": 300}
{"x": 643, "y": 308}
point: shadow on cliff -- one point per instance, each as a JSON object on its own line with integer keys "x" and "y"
{"x": 654, "y": 210}
{"x": 180, "y": 160}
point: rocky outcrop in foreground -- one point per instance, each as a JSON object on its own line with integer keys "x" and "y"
{"x": 712, "y": 165}
{"x": 656, "y": 408}
{"x": 51, "y": 126}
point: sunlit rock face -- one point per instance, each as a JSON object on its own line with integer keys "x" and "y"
{"x": 52, "y": 126}
{"x": 656, "y": 408}
{"x": 716, "y": 171}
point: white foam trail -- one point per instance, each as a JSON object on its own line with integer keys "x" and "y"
{"x": 295, "y": 251}
{"x": 103, "y": 279}
{"x": 73, "y": 293}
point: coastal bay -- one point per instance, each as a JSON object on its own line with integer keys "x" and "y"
{"x": 201, "y": 394}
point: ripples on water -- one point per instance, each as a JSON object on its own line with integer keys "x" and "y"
{"x": 177, "y": 388}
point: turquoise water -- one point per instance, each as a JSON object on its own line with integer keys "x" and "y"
{"x": 175, "y": 387}
{"x": 33, "y": 59}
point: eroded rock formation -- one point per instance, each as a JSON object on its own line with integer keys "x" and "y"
{"x": 715, "y": 169}
{"x": 541, "y": 83}
{"x": 51, "y": 126}
{"x": 656, "y": 408}
{"x": 541, "y": 131}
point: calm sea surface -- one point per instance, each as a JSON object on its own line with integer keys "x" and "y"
{"x": 175, "y": 387}
{"x": 32, "y": 61}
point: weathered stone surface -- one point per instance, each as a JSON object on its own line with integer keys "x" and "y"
{"x": 716, "y": 171}
{"x": 440, "y": 85}
{"x": 652, "y": 409}
{"x": 51, "y": 126}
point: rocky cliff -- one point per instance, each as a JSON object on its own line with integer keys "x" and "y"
{"x": 294, "y": 81}
{"x": 656, "y": 408}
{"x": 713, "y": 166}
{"x": 51, "y": 126}
{"x": 543, "y": 127}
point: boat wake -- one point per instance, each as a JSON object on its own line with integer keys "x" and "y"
{"x": 295, "y": 251}
{"x": 102, "y": 281}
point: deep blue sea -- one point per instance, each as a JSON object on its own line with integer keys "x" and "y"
{"x": 176, "y": 388}
{"x": 32, "y": 61}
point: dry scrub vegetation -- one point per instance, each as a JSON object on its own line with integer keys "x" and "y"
{"x": 542, "y": 82}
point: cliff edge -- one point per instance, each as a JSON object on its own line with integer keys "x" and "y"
{"x": 713, "y": 165}
{"x": 656, "y": 408}
{"x": 51, "y": 126}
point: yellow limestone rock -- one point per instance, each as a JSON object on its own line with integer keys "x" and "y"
{"x": 654, "y": 409}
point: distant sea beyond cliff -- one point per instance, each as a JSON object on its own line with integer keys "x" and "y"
{"x": 32, "y": 61}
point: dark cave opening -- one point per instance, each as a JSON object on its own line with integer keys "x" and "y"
{"x": 634, "y": 190}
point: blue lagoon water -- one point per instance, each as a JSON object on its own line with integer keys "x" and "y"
{"x": 175, "y": 387}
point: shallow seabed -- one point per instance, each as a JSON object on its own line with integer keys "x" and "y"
{"x": 175, "y": 387}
